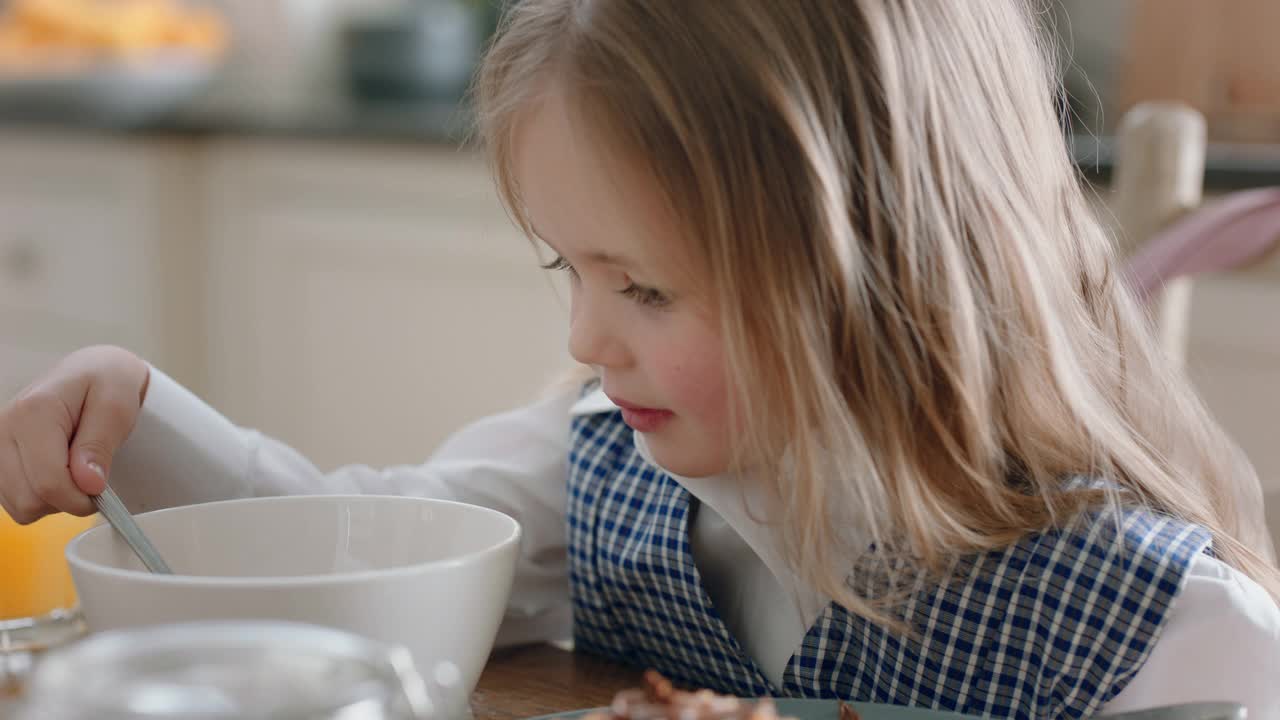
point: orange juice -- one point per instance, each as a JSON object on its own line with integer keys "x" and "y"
{"x": 34, "y": 577}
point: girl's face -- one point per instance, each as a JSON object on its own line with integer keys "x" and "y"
{"x": 636, "y": 315}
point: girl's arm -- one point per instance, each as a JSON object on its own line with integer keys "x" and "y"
{"x": 1221, "y": 643}
{"x": 182, "y": 452}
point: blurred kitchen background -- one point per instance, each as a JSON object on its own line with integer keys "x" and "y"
{"x": 273, "y": 201}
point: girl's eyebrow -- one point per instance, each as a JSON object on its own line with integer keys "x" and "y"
{"x": 596, "y": 256}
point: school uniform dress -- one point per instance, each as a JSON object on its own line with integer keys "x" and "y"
{"x": 1052, "y": 627}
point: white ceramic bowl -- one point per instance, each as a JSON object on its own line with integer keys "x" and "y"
{"x": 128, "y": 91}
{"x": 431, "y": 575}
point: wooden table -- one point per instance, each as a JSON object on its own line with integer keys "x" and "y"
{"x": 541, "y": 679}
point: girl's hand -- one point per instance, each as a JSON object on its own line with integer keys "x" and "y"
{"x": 57, "y": 438}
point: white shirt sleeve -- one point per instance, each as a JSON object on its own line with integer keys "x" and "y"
{"x": 1221, "y": 643}
{"x": 183, "y": 452}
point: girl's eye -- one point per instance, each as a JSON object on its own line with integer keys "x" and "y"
{"x": 646, "y": 296}
{"x": 561, "y": 264}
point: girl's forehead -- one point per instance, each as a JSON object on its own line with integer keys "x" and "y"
{"x": 582, "y": 198}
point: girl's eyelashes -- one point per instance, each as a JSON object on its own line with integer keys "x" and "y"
{"x": 561, "y": 264}
{"x": 645, "y": 296}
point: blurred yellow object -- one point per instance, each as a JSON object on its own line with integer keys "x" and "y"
{"x": 33, "y": 569}
{"x": 36, "y": 32}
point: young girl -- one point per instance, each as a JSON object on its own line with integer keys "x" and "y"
{"x": 872, "y": 416}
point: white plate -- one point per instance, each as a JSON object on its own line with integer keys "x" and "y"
{"x": 823, "y": 710}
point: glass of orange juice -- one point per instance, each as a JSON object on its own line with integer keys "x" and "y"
{"x": 38, "y": 607}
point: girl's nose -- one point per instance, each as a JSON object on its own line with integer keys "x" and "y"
{"x": 593, "y": 338}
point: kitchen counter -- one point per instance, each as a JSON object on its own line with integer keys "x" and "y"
{"x": 437, "y": 123}
{"x": 1228, "y": 166}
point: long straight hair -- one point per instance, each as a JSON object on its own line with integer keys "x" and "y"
{"x": 908, "y": 274}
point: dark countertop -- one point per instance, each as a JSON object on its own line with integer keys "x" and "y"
{"x": 435, "y": 123}
{"x": 1228, "y": 166}
{"x": 439, "y": 122}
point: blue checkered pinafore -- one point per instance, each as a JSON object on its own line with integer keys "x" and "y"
{"x": 1052, "y": 627}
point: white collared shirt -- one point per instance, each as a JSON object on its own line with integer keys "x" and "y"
{"x": 1221, "y": 640}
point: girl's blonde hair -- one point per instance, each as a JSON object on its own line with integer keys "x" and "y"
{"x": 910, "y": 279}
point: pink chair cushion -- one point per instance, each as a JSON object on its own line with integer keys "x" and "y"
{"x": 1223, "y": 235}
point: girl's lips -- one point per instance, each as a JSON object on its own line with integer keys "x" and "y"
{"x": 646, "y": 420}
{"x": 642, "y": 419}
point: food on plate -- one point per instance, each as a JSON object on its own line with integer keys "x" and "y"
{"x": 659, "y": 700}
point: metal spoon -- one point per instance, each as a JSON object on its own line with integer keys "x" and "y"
{"x": 118, "y": 515}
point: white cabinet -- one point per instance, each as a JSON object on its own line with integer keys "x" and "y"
{"x": 20, "y": 361}
{"x": 365, "y": 301}
{"x": 359, "y": 301}
{"x": 93, "y": 249}
{"x": 1233, "y": 356}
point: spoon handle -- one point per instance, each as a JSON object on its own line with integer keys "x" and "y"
{"x": 117, "y": 514}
